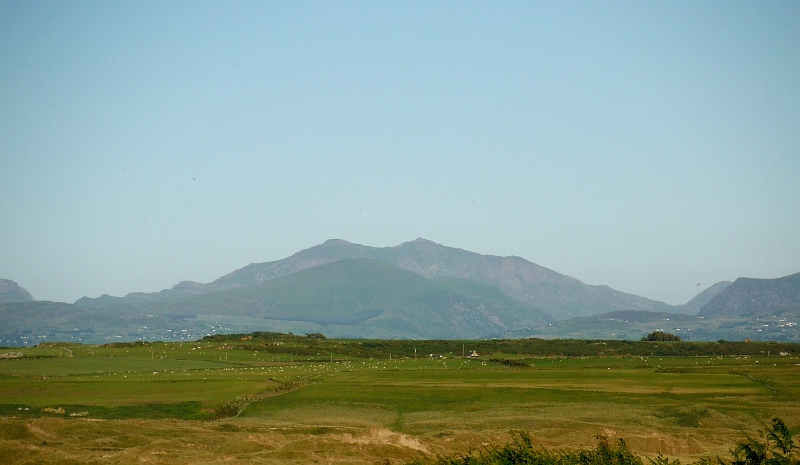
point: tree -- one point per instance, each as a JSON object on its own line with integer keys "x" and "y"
{"x": 661, "y": 336}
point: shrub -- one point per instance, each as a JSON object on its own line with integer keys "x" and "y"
{"x": 521, "y": 451}
{"x": 661, "y": 336}
{"x": 229, "y": 409}
{"x": 509, "y": 362}
{"x": 779, "y": 449}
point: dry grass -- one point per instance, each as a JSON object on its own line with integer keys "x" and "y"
{"x": 365, "y": 412}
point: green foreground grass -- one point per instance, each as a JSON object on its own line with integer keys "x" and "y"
{"x": 291, "y": 399}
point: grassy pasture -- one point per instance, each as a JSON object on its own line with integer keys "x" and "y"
{"x": 329, "y": 401}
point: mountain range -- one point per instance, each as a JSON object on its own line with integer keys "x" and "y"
{"x": 558, "y": 295}
{"x": 415, "y": 290}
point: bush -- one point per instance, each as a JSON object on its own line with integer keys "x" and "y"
{"x": 509, "y": 362}
{"x": 661, "y": 336}
{"x": 521, "y": 451}
{"x": 229, "y": 409}
{"x": 779, "y": 449}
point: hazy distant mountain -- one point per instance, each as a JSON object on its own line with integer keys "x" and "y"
{"x": 12, "y": 292}
{"x": 558, "y": 295}
{"x": 693, "y": 306}
{"x": 748, "y": 296}
{"x": 416, "y": 290}
{"x": 368, "y": 298}
{"x": 178, "y": 291}
{"x": 359, "y": 298}
{"x": 421, "y": 289}
{"x": 30, "y": 323}
{"x": 781, "y": 325}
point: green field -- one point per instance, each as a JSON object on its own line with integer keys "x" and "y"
{"x": 292, "y": 399}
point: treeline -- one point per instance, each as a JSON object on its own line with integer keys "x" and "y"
{"x": 317, "y": 344}
{"x": 778, "y": 449}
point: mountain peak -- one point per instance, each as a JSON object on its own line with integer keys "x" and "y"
{"x": 188, "y": 286}
{"x": 559, "y": 295}
{"x": 419, "y": 242}
{"x": 336, "y": 242}
{"x": 749, "y": 296}
{"x": 11, "y": 292}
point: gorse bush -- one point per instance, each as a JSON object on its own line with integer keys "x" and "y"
{"x": 521, "y": 451}
{"x": 661, "y": 336}
{"x": 510, "y": 362}
{"x": 229, "y": 409}
{"x": 779, "y": 449}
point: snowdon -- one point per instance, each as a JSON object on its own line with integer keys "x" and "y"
{"x": 416, "y": 290}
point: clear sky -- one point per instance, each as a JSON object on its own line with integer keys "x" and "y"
{"x": 650, "y": 146}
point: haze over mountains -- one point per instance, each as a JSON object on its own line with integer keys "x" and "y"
{"x": 558, "y": 295}
{"x": 416, "y": 290}
{"x": 758, "y": 309}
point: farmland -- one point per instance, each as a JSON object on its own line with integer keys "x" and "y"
{"x": 270, "y": 398}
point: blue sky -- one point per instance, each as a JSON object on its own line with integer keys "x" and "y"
{"x": 650, "y": 146}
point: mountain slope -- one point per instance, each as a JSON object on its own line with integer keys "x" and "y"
{"x": 362, "y": 298}
{"x": 748, "y": 296}
{"x": 30, "y": 323}
{"x": 693, "y": 306}
{"x": 556, "y": 294}
{"x": 12, "y": 292}
{"x": 780, "y": 325}
{"x": 358, "y": 298}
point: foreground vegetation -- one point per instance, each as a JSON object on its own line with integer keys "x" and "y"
{"x": 276, "y": 398}
{"x": 777, "y": 449}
